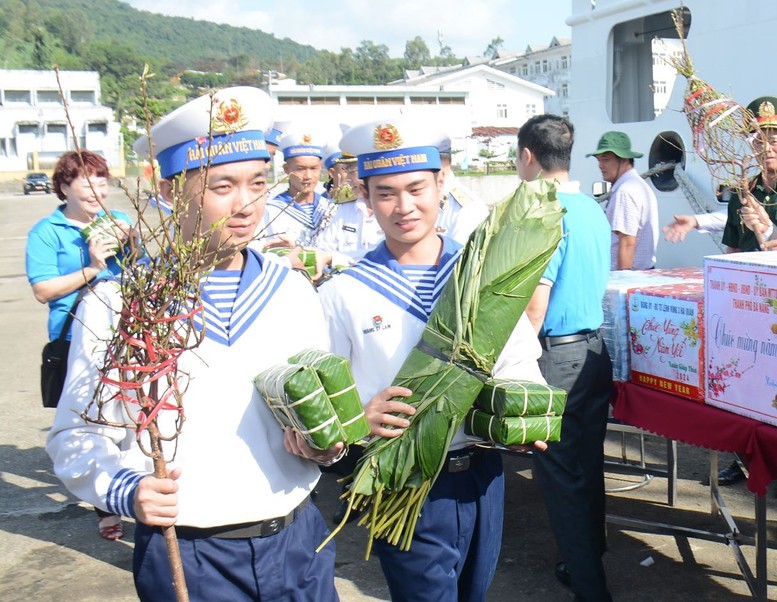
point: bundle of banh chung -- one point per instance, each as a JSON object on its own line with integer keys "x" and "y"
{"x": 315, "y": 395}
{"x": 514, "y": 412}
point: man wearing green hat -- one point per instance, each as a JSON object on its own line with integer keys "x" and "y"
{"x": 632, "y": 210}
{"x": 759, "y": 211}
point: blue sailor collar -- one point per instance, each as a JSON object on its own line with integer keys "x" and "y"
{"x": 381, "y": 272}
{"x": 258, "y": 282}
{"x": 293, "y": 209}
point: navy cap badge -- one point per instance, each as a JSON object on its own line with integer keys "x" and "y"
{"x": 387, "y": 137}
{"x": 228, "y": 117}
{"x": 766, "y": 109}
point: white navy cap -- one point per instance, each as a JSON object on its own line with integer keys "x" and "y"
{"x": 393, "y": 145}
{"x": 226, "y": 127}
{"x": 303, "y": 140}
{"x": 274, "y": 134}
{"x": 331, "y": 154}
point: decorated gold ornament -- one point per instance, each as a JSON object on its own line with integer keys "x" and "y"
{"x": 387, "y": 137}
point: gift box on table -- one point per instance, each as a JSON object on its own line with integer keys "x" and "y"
{"x": 741, "y": 333}
{"x": 666, "y": 338}
{"x": 615, "y": 331}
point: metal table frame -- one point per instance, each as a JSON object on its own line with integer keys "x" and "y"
{"x": 756, "y": 581}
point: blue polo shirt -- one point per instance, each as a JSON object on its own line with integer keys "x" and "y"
{"x": 579, "y": 269}
{"x": 55, "y": 248}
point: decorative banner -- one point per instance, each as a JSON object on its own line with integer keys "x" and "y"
{"x": 741, "y": 336}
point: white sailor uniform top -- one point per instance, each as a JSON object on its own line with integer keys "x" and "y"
{"x": 376, "y": 317}
{"x": 297, "y": 223}
{"x": 460, "y": 213}
{"x": 351, "y": 233}
{"x": 230, "y": 449}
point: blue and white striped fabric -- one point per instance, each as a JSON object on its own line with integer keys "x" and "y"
{"x": 423, "y": 278}
{"x": 121, "y": 492}
{"x": 400, "y": 284}
{"x": 309, "y": 214}
{"x": 229, "y": 308}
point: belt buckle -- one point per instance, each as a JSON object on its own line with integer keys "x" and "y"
{"x": 459, "y": 464}
{"x": 271, "y": 527}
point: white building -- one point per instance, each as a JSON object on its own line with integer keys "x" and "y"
{"x": 457, "y": 99}
{"x": 549, "y": 66}
{"x": 34, "y": 129}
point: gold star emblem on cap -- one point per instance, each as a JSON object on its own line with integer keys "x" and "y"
{"x": 307, "y": 139}
{"x": 387, "y": 137}
{"x": 228, "y": 117}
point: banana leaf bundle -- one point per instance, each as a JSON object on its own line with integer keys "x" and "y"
{"x": 334, "y": 371}
{"x": 104, "y": 228}
{"x": 506, "y": 397}
{"x": 297, "y": 398}
{"x": 512, "y": 430}
{"x": 477, "y": 311}
{"x": 307, "y": 256}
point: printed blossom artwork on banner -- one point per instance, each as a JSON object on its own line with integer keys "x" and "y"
{"x": 718, "y": 377}
{"x": 636, "y": 346}
{"x": 691, "y": 331}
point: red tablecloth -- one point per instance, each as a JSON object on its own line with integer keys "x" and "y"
{"x": 705, "y": 426}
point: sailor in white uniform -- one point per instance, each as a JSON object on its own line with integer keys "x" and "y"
{"x": 353, "y": 230}
{"x": 376, "y": 313}
{"x": 239, "y": 489}
{"x": 297, "y": 217}
{"x": 460, "y": 210}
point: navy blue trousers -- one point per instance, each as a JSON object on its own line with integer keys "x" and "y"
{"x": 457, "y": 539}
{"x": 570, "y": 474}
{"x": 283, "y": 567}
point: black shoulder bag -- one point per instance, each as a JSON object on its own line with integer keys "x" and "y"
{"x": 53, "y": 367}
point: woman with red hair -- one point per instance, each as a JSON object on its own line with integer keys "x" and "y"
{"x": 60, "y": 261}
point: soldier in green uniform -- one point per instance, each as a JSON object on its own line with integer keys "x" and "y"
{"x": 736, "y": 235}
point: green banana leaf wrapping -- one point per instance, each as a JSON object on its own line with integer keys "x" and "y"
{"x": 307, "y": 256}
{"x": 512, "y": 430}
{"x": 505, "y": 397}
{"x": 478, "y": 309}
{"x": 105, "y": 228}
{"x": 297, "y": 399}
{"x": 334, "y": 371}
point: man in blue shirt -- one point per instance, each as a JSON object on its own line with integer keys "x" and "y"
{"x": 566, "y": 311}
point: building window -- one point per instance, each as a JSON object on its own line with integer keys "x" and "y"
{"x": 451, "y": 100}
{"x": 28, "y": 128}
{"x": 360, "y": 100}
{"x": 49, "y": 97}
{"x": 392, "y": 100}
{"x": 531, "y": 109}
{"x": 565, "y": 62}
{"x": 513, "y": 70}
{"x": 536, "y": 66}
{"x": 17, "y": 96}
{"x": 325, "y": 100}
{"x": 101, "y": 128}
{"x": 659, "y": 87}
{"x": 501, "y": 111}
{"x": 423, "y": 100}
{"x": 82, "y": 96}
{"x": 525, "y": 70}
{"x": 7, "y": 147}
{"x": 564, "y": 90}
{"x": 492, "y": 85}
{"x": 545, "y": 65}
{"x": 292, "y": 100}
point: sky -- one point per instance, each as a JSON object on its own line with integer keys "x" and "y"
{"x": 467, "y": 26}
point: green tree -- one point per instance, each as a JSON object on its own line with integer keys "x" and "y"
{"x": 493, "y": 47}
{"x": 416, "y": 53}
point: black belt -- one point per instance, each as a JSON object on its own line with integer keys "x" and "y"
{"x": 462, "y": 459}
{"x": 262, "y": 528}
{"x": 548, "y": 342}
